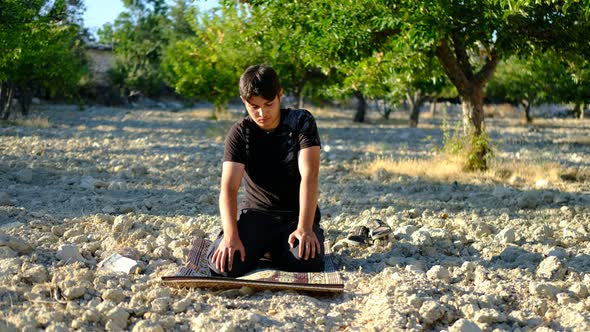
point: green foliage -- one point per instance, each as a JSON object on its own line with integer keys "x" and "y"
{"x": 139, "y": 36}
{"x": 467, "y": 38}
{"x": 41, "y": 52}
{"x": 474, "y": 150}
{"x": 542, "y": 78}
{"x": 207, "y": 65}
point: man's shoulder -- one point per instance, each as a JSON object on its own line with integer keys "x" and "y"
{"x": 297, "y": 117}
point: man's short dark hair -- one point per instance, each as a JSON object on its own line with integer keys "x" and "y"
{"x": 261, "y": 81}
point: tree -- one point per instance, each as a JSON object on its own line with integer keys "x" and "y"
{"x": 208, "y": 64}
{"x": 468, "y": 38}
{"x": 575, "y": 87}
{"x": 139, "y": 36}
{"x": 524, "y": 81}
{"x": 41, "y": 51}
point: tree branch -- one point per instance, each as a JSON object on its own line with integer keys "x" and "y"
{"x": 487, "y": 71}
{"x": 462, "y": 57}
{"x": 451, "y": 67}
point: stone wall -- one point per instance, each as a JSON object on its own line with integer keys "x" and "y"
{"x": 101, "y": 59}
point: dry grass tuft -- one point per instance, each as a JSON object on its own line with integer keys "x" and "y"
{"x": 501, "y": 111}
{"x": 33, "y": 122}
{"x": 526, "y": 172}
{"x": 448, "y": 168}
{"x": 574, "y": 140}
{"x": 436, "y": 168}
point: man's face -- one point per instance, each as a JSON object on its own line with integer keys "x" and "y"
{"x": 266, "y": 113}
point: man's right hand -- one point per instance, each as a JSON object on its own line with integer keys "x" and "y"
{"x": 225, "y": 252}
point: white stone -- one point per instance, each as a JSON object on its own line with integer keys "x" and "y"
{"x": 421, "y": 237}
{"x": 35, "y": 273}
{"x": 439, "y": 272}
{"x": 180, "y": 306}
{"x": 147, "y": 326}
{"x": 468, "y": 266}
{"x": 558, "y": 252}
{"x": 115, "y": 295}
{"x": 119, "y": 316}
{"x": 580, "y": 290}
{"x": 431, "y": 311}
{"x": 464, "y": 325}
{"x": 415, "y": 301}
{"x": 551, "y": 268}
{"x": 488, "y": 316}
{"x": 415, "y": 268}
{"x": 505, "y": 236}
{"x": 573, "y": 235}
{"x": 545, "y": 290}
{"x": 405, "y": 231}
{"x": 69, "y": 253}
{"x": 74, "y": 292}
{"x": 565, "y": 299}
{"x": 121, "y": 225}
{"x": 15, "y": 243}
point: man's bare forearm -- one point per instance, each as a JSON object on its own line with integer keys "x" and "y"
{"x": 308, "y": 198}
{"x": 228, "y": 209}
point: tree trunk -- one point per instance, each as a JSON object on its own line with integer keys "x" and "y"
{"x": 26, "y": 98}
{"x": 6, "y": 99}
{"x": 454, "y": 58}
{"x": 578, "y": 111}
{"x": 361, "y": 107}
{"x": 300, "y": 100}
{"x": 473, "y": 116}
{"x": 415, "y": 100}
{"x": 527, "y": 110}
{"x": 432, "y": 107}
{"x": 298, "y": 92}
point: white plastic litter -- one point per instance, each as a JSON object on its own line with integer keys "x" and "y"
{"x": 118, "y": 263}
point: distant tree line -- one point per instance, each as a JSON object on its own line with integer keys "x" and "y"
{"x": 382, "y": 53}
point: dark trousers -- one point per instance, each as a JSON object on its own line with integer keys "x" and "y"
{"x": 263, "y": 232}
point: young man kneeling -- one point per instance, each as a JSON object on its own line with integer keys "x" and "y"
{"x": 277, "y": 152}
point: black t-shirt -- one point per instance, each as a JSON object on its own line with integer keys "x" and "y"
{"x": 272, "y": 175}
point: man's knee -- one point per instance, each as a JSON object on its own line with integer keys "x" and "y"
{"x": 238, "y": 268}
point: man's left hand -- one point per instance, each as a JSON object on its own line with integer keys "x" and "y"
{"x": 308, "y": 243}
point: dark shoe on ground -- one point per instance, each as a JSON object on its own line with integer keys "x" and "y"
{"x": 358, "y": 237}
{"x": 379, "y": 229}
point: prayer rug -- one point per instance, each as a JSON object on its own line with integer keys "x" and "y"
{"x": 196, "y": 274}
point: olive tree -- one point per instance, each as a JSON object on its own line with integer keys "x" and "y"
{"x": 468, "y": 38}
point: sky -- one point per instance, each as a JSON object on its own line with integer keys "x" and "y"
{"x": 99, "y": 12}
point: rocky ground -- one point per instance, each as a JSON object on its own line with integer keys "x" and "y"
{"x": 465, "y": 255}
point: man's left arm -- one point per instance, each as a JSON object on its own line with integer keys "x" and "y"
{"x": 309, "y": 168}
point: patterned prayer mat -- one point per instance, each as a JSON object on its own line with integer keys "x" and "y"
{"x": 196, "y": 274}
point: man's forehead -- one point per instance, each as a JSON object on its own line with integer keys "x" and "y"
{"x": 255, "y": 100}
